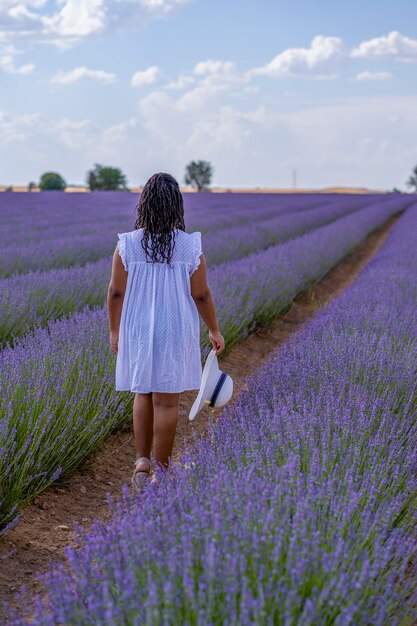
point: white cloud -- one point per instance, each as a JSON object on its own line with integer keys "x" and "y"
{"x": 214, "y": 67}
{"x": 330, "y": 140}
{"x": 146, "y": 77}
{"x": 64, "y": 23}
{"x": 323, "y": 56}
{"x": 118, "y": 132}
{"x": 7, "y": 61}
{"x": 15, "y": 128}
{"x": 164, "y": 6}
{"x": 394, "y": 45}
{"x": 354, "y": 141}
{"x": 23, "y": 3}
{"x": 182, "y": 132}
{"x": 210, "y": 78}
{"x": 362, "y": 76}
{"x": 21, "y": 12}
{"x": 182, "y": 81}
{"x": 82, "y": 73}
{"x": 77, "y": 18}
{"x": 65, "y": 131}
{"x": 72, "y": 133}
{"x": 196, "y": 98}
{"x": 261, "y": 145}
{"x": 71, "y": 146}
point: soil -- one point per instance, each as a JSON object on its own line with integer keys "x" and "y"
{"x": 46, "y": 527}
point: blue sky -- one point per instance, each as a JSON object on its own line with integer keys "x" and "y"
{"x": 259, "y": 88}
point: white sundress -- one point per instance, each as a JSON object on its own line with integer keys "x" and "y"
{"x": 159, "y": 335}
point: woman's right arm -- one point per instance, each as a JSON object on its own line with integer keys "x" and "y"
{"x": 203, "y": 299}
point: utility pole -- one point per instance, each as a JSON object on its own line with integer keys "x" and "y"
{"x": 294, "y": 179}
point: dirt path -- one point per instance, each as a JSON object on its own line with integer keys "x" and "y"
{"x": 46, "y": 524}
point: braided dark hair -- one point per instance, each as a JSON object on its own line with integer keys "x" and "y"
{"x": 160, "y": 210}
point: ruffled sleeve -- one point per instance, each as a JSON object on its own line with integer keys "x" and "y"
{"x": 122, "y": 248}
{"x": 196, "y": 252}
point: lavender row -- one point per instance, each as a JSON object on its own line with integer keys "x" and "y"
{"x": 298, "y": 507}
{"x": 32, "y": 299}
{"x": 57, "y": 398}
{"x": 49, "y": 215}
{"x": 265, "y": 283}
{"x": 75, "y": 243}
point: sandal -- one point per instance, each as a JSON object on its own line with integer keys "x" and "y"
{"x": 139, "y": 478}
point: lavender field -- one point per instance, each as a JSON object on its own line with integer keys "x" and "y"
{"x": 309, "y": 516}
{"x": 65, "y": 230}
{"x": 311, "y": 512}
{"x": 35, "y": 297}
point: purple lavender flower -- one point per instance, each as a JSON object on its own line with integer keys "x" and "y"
{"x": 297, "y": 508}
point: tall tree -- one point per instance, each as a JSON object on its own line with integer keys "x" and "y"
{"x": 198, "y": 174}
{"x": 106, "y": 178}
{"x": 52, "y": 181}
{"x": 412, "y": 181}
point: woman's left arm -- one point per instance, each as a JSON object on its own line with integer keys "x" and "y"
{"x": 115, "y": 295}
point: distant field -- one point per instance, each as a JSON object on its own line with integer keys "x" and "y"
{"x": 234, "y": 190}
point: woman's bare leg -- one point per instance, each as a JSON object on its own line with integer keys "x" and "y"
{"x": 143, "y": 427}
{"x": 165, "y": 407}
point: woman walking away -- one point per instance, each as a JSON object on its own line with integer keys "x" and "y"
{"x": 157, "y": 290}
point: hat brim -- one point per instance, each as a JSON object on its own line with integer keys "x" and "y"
{"x": 211, "y": 362}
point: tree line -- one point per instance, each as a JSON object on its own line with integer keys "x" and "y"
{"x": 198, "y": 174}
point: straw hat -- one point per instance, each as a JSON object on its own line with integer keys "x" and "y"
{"x": 216, "y": 387}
